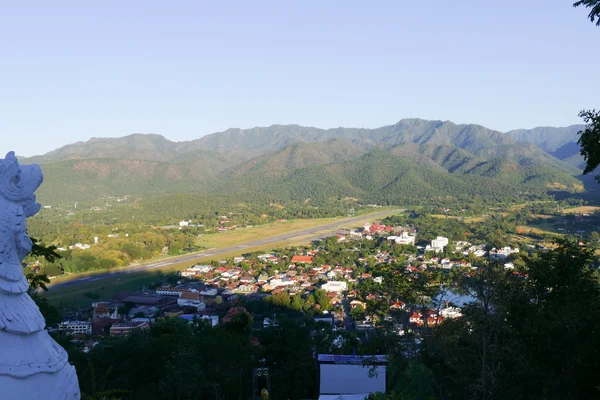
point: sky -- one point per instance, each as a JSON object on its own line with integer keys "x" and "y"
{"x": 73, "y": 70}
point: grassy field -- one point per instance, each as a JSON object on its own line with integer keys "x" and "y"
{"x": 539, "y": 229}
{"x": 581, "y": 210}
{"x": 244, "y": 235}
{"x": 83, "y": 294}
{"x": 468, "y": 220}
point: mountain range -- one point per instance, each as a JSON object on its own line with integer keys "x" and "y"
{"x": 399, "y": 162}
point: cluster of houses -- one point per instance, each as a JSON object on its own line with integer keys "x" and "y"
{"x": 207, "y": 291}
{"x": 433, "y": 317}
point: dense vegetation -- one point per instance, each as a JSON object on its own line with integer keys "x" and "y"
{"x": 525, "y": 337}
{"x": 293, "y": 163}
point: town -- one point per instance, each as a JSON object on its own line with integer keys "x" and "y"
{"x": 337, "y": 281}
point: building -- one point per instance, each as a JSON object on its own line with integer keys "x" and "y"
{"x": 174, "y": 291}
{"x": 191, "y": 299}
{"x": 439, "y": 243}
{"x": 125, "y": 327}
{"x": 213, "y": 320}
{"x": 405, "y": 239}
{"x": 76, "y": 327}
{"x": 302, "y": 259}
{"x": 196, "y": 270}
{"x": 104, "y": 309}
{"x": 335, "y": 286}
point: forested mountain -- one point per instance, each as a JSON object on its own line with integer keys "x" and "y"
{"x": 559, "y": 142}
{"x": 414, "y": 156}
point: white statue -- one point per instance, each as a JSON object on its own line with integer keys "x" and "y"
{"x": 32, "y": 364}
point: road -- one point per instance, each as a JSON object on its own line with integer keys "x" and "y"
{"x": 316, "y": 231}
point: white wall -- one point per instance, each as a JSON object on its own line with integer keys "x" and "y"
{"x": 345, "y": 378}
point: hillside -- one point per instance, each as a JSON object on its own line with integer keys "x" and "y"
{"x": 406, "y": 160}
{"x": 558, "y": 142}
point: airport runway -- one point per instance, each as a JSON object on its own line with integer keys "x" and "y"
{"x": 199, "y": 256}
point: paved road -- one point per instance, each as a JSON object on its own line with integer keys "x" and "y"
{"x": 208, "y": 253}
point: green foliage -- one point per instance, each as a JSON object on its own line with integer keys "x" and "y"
{"x": 595, "y": 9}
{"x": 534, "y": 324}
{"x": 281, "y": 299}
{"x": 589, "y": 140}
{"x": 322, "y": 299}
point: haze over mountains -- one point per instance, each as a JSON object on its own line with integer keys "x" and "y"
{"x": 411, "y": 158}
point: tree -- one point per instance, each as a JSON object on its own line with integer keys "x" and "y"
{"x": 322, "y": 299}
{"x": 589, "y": 140}
{"x": 358, "y": 312}
{"x": 38, "y": 282}
{"x": 281, "y": 299}
{"x": 297, "y": 302}
{"x": 595, "y": 9}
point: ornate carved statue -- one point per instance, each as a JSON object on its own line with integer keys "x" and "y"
{"x": 32, "y": 364}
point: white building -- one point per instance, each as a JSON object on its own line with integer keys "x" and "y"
{"x": 191, "y": 299}
{"x": 209, "y": 292}
{"x": 405, "y": 239}
{"x": 184, "y": 223}
{"x": 335, "y": 286}
{"x": 76, "y": 327}
{"x": 504, "y": 252}
{"x": 170, "y": 291}
{"x": 439, "y": 243}
{"x": 80, "y": 246}
{"x": 213, "y": 320}
{"x": 450, "y": 312}
{"x": 281, "y": 282}
{"x": 197, "y": 269}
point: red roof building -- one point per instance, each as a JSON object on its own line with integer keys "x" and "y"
{"x": 302, "y": 259}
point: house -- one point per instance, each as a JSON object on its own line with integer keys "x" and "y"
{"x": 503, "y": 252}
{"x": 76, "y": 327}
{"x": 247, "y": 279}
{"x": 450, "y": 312}
{"x": 328, "y": 319}
{"x": 269, "y": 322}
{"x": 125, "y": 327}
{"x": 213, "y": 320}
{"x": 335, "y": 286}
{"x": 191, "y": 299}
{"x": 356, "y": 303}
{"x": 398, "y": 305}
{"x": 416, "y": 318}
{"x": 246, "y": 288}
{"x": 196, "y": 270}
{"x": 302, "y": 259}
{"x": 209, "y": 291}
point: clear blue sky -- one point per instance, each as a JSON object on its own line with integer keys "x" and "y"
{"x": 72, "y": 70}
